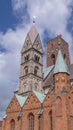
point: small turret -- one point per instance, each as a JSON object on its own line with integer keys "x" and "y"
{"x": 61, "y": 74}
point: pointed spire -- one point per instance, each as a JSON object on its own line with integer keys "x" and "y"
{"x": 33, "y": 33}
{"x": 61, "y": 65}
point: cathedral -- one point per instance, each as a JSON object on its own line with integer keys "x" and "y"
{"x": 44, "y": 99}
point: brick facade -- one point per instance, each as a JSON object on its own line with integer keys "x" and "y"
{"x": 59, "y": 105}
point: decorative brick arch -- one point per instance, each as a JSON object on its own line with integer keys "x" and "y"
{"x": 12, "y": 124}
{"x": 30, "y": 121}
{"x": 58, "y": 106}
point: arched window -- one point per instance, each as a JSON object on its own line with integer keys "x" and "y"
{"x": 58, "y": 106}
{"x": 24, "y": 87}
{"x": 12, "y": 124}
{"x": 26, "y": 70}
{"x": 37, "y": 58}
{"x": 64, "y": 56}
{"x": 36, "y": 70}
{"x": 53, "y": 58}
{"x": 36, "y": 85}
{"x": 26, "y": 57}
{"x": 31, "y": 121}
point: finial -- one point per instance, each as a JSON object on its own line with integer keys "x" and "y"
{"x": 60, "y": 35}
{"x": 34, "y": 17}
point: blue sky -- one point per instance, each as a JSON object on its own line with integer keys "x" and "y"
{"x": 52, "y": 18}
{"x": 7, "y": 19}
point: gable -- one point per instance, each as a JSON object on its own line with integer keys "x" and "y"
{"x": 48, "y": 100}
{"x": 32, "y": 102}
{"x": 13, "y": 106}
{"x": 27, "y": 44}
{"x": 37, "y": 44}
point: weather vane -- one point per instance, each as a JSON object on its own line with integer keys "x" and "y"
{"x": 34, "y": 17}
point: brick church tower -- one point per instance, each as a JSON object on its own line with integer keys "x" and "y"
{"x": 52, "y": 48}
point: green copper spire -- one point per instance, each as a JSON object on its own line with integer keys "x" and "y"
{"x": 61, "y": 65}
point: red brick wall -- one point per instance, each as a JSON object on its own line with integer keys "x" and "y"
{"x": 61, "y": 81}
{"x": 53, "y": 46}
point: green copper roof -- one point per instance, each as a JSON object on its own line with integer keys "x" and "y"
{"x": 47, "y": 71}
{"x": 40, "y": 96}
{"x": 61, "y": 65}
{"x": 21, "y": 99}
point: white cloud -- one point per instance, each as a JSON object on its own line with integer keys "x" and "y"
{"x": 52, "y": 15}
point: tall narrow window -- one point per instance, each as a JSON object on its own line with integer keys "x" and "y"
{"x": 31, "y": 121}
{"x": 12, "y": 123}
{"x": 36, "y": 70}
{"x": 37, "y": 58}
{"x": 36, "y": 86}
{"x": 26, "y": 58}
{"x": 53, "y": 58}
{"x": 64, "y": 56}
{"x": 26, "y": 70}
{"x": 51, "y": 126}
{"x": 58, "y": 106}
